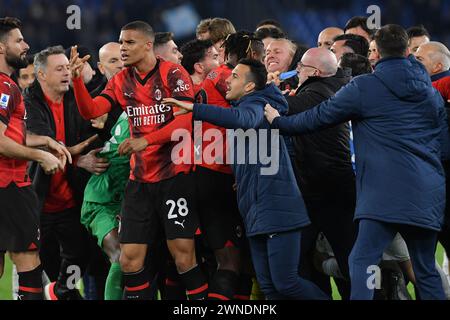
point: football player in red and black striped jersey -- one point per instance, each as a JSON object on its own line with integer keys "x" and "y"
{"x": 159, "y": 190}
{"x": 19, "y": 215}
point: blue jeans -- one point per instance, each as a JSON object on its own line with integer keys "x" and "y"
{"x": 275, "y": 259}
{"x": 374, "y": 237}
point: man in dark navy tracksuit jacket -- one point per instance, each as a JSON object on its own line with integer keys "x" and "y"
{"x": 400, "y": 131}
{"x": 269, "y": 200}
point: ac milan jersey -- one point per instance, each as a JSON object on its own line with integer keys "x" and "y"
{"x": 140, "y": 96}
{"x": 443, "y": 86}
{"x": 12, "y": 114}
{"x": 200, "y": 93}
{"x": 213, "y": 92}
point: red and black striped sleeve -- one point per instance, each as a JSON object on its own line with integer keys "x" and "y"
{"x": 90, "y": 108}
{"x": 7, "y": 105}
{"x": 179, "y": 83}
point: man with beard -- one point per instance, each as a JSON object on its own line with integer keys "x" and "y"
{"x": 19, "y": 217}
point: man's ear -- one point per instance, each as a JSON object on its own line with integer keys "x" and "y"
{"x": 438, "y": 67}
{"x": 149, "y": 45}
{"x": 2, "y": 48}
{"x": 101, "y": 68}
{"x": 41, "y": 75}
{"x": 250, "y": 86}
{"x": 198, "y": 67}
{"x": 408, "y": 51}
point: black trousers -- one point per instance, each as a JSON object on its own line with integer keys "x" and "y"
{"x": 333, "y": 215}
{"x": 64, "y": 230}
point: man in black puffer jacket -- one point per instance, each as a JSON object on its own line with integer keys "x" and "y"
{"x": 322, "y": 163}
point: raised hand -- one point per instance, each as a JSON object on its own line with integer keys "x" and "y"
{"x": 76, "y": 63}
{"x": 274, "y": 77}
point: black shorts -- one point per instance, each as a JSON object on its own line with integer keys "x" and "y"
{"x": 19, "y": 219}
{"x": 148, "y": 206}
{"x": 220, "y": 221}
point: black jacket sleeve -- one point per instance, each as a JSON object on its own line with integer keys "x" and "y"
{"x": 36, "y": 120}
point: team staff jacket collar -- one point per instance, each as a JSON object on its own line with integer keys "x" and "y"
{"x": 35, "y": 102}
{"x": 440, "y": 75}
{"x": 383, "y": 60}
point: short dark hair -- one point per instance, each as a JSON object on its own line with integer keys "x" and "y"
{"x": 194, "y": 51}
{"x": 7, "y": 24}
{"x": 141, "y": 26}
{"x": 355, "y": 42}
{"x": 269, "y": 33}
{"x": 356, "y": 62}
{"x": 417, "y": 31}
{"x": 257, "y": 47}
{"x": 269, "y": 22}
{"x": 392, "y": 41}
{"x": 258, "y": 72}
{"x": 359, "y": 21}
{"x": 162, "y": 38}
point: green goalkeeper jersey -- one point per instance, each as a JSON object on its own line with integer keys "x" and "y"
{"x": 109, "y": 186}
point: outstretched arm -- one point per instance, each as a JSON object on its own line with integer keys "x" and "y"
{"x": 11, "y": 149}
{"x": 244, "y": 117}
{"x": 340, "y": 108}
{"x": 160, "y": 136}
{"x": 89, "y": 108}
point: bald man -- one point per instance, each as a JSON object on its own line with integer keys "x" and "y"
{"x": 327, "y": 35}
{"x": 322, "y": 163}
{"x": 109, "y": 64}
{"x": 109, "y": 59}
{"x": 434, "y": 56}
{"x": 316, "y": 62}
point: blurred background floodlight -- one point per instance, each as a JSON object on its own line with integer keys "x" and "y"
{"x": 181, "y": 20}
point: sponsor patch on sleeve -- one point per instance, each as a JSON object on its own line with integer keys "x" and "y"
{"x": 4, "y": 99}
